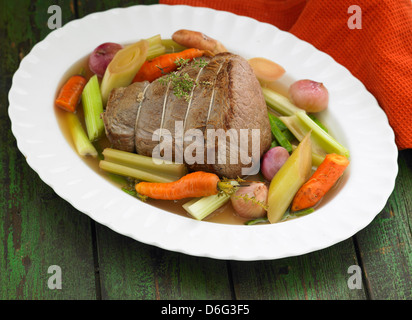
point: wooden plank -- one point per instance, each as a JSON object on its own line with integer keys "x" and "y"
{"x": 320, "y": 275}
{"x": 386, "y": 244}
{"x": 37, "y": 228}
{"x": 132, "y": 270}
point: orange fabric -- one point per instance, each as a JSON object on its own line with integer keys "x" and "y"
{"x": 379, "y": 54}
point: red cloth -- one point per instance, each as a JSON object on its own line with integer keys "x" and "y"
{"x": 379, "y": 54}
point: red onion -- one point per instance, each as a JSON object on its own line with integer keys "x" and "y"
{"x": 309, "y": 95}
{"x": 272, "y": 161}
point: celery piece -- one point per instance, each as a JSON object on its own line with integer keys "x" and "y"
{"x": 155, "y": 51}
{"x": 279, "y": 103}
{"x": 172, "y": 46}
{"x": 156, "y": 47}
{"x": 144, "y": 163}
{"x": 321, "y": 140}
{"x": 93, "y": 108}
{"x": 135, "y": 173}
{"x": 318, "y": 122}
{"x": 201, "y": 208}
{"x": 81, "y": 142}
{"x": 281, "y": 139}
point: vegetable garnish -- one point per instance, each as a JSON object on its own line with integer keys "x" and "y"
{"x": 287, "y": 181}
{"x": 70, "y": 93}
{"x": 81, "y": 142}
{"x": 140, "y": 167}
{"x": 201, "y": 208}
{"x": 192, "y": 185}
{"x": 124, "y": 66}
{"x": 93, "y": 108}
{"x": 159, "y": 66}
{"x": 322, "y": 180}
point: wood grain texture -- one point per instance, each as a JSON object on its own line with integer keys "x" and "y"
{"x": 386, "y": 244}
{"x": 37, "y": 228}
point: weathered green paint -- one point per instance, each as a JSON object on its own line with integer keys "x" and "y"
{"x": 38, "y": 229}
{"x": 386, "y": 244}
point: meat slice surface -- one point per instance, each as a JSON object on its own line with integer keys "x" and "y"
{"x": 120, "y": 115}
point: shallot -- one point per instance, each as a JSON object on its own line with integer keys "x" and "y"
{"x": 272, "y": 161}
{"x": 250, "y": 201}
{"x": 309, "y": 95}
{"x": 101, "y": 57}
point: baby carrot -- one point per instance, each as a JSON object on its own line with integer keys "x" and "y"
{"x": 159, "y": 66}
{"x": 325, "y": 176}
{"x": 195, "y": 184}
{"x": 70, "y": 93}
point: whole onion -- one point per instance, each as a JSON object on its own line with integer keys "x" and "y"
{"x": 101, "y": 56}
{"x": 309, "y": 95}
{"x": 250, "y": 201}
{"x": 272, "y": 161}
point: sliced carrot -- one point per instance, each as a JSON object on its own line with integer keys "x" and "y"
{"x": 70, "y": 93}
{"x": 159, "y": 66}
{"x": 322, "y": 180}
{"x": 196, "y": 184}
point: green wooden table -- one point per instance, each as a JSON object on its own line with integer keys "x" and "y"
{"x": 39, "y": 230}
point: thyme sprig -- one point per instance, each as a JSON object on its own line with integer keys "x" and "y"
{"x": 181, "y": 82}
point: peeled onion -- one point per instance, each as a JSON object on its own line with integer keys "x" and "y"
{"x": 309, "y": 95}
{"x": 250, "y": 201}
{"x": 272, "y": 161}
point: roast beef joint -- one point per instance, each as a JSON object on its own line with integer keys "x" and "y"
{"x": 219, "y": 126}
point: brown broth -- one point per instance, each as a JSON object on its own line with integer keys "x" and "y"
{"x": 223, "y": 215}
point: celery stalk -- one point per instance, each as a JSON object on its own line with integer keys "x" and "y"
{"x": 322, "y": 142}
{"x": 81, "y": 142}
{"x": 156, "y": 47}
{"x": 144, "y": 163}
{"x": 201, "y": 208}
{"x": 135, "y": 173}
{"x": 279, "y": 103}
{"x": 172, "y": 46}
{"x": 93, "y": 108}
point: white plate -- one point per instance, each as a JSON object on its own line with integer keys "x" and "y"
{"x": 357, "y": 121}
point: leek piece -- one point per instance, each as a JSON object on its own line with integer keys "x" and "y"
{"x": 124, "y": 66}
{"x": 81, "y": 142}
{"x": 93, "y": 108}
{"x": 322, "y": 142}
{"x": 201, "y": 208}
{"x": 138, "y": 161}
{"x": 279, "y": 103}
{"x": 287, "y": 181}
{"x": 135, "y": 173}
